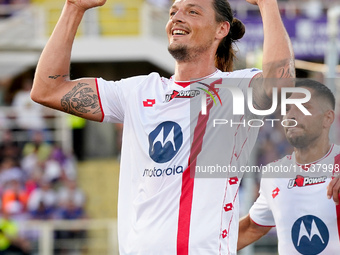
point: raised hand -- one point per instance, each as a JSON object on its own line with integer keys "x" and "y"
{"x": 254, "y": 2}
{"x": 333, "y": 189}
{"x": 87, "y": 4}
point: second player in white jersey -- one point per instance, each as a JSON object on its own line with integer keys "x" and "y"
{"x": 306, "y": 221}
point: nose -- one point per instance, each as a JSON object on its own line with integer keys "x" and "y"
{"x": 178, "y": 17}
{"x": 291, "y": 113}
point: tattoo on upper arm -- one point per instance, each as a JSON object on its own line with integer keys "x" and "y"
{"x": 81, "y": 99}
{"x": 284, "y": 73}
{"x": 280, "y": 69}
{"x": 260, "y": 99}
{"x": 258, "y": 77}
{"x": 277, "y": 74}
{"x": 287, "y": 70}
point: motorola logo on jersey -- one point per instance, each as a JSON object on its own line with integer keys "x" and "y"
{"x": 310, "y": 235}
{"x": 165, "y": 141}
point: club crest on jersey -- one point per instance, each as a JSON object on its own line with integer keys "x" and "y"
{"x": 303, "y": 181}
{"x": 310, "y": 235}
{"x": 181, "y": 94}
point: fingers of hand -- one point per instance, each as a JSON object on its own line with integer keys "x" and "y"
{"x": 333, "y": 190}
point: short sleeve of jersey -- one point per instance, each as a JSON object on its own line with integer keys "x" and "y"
{"x": 243, "y": 80}
{"x": 113, "y": 97}
{"x": 260, "y": 212}
{"x": 244, "y": 77}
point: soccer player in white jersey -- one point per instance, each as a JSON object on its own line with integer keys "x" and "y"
{"x": 161, "y": 209}
{"x": 306, "y": 221}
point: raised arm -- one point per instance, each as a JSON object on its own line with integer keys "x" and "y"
{"x": 52, "y": 86}
{"x": 249, "y": 232}
{"x": 278, "y": 56}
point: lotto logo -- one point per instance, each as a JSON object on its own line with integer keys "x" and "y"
{"x": 149, "y": 102}
{"x": 224, "y": 233}
{"x": 275, "y": 192}
{"x": 233, "y": 180}
{"x": 228, "y": 207}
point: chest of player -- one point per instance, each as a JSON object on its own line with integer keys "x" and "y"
{"x": 300, "y": 195}
{"x": 306, "y": 220}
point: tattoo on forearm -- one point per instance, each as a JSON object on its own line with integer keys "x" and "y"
{"x": 81, "y": 99}
{"x": 54, "y": 77}
{"x": 260, "y": 99}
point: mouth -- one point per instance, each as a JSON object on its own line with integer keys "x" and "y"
{"x": 292, "y": 129}
{"x": 179, "y": 32}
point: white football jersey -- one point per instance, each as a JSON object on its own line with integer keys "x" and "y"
{"x": 169, "y": 203}
{"x": 307, "y": 222}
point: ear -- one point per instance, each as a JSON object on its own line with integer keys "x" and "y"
{"x": 223, "y": 29}
{"x": 328, "y": 119}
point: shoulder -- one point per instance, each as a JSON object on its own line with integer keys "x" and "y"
{"x": 288, "y": 159}
{"x": 128, "y": 85}
{"x": 336, "y": 149}
{"x": 142, "y": 78}
{"x": 242, "y": 73}
{"x": 279, "y": 168}
{"x": 135, "y": 79}
{"x": 241, "y": 78}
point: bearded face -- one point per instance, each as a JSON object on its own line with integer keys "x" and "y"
{"x": 191, "y": 29}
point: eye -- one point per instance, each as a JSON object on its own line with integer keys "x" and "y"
{"x": 193, "y": 12}
{"x": 172, "y": 12}
{"x": 306, "y": 105}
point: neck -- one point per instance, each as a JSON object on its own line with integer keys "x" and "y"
{"x": 313, "y": 152}
{"x": 194, "y": 69}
